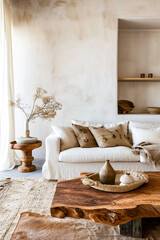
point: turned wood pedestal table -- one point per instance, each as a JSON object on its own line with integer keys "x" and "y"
{"x": 27, "y": 157}
{"x": 75, "y": 200}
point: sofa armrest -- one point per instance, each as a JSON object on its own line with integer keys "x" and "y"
{"x": 50, "y": 169}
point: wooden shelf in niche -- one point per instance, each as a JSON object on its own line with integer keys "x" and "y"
{"x": 138, "y": 114}
{"x": 139, "y": 79}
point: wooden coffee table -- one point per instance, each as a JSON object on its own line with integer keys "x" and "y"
{"x": 75, "y": 200}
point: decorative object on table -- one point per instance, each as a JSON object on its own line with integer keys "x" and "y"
{"x": 93, "y": 180}
{"x": 27, "y": 157}
{"x": 107, "y": 174}
{"x": 150, "y": 75}
{"x": 46, "y": 110}
{"x": 153, "y": 110}
{"x": 142, "y": 75}
{"x": 125, "y": 106}
{"x": 126, "y": 179}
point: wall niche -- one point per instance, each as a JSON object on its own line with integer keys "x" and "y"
{"x": 139, "y": 52}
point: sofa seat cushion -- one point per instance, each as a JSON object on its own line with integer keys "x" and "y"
{"x": 117, "y": 154}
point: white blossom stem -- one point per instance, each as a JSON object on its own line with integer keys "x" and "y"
{"x": 30, "y": 116}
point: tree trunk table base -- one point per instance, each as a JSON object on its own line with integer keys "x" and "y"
{"x": 132, "y": 228}
{"x": 75, "y": 200}
{"x": 137, "y": 227}
{"x": 27, "y": 157}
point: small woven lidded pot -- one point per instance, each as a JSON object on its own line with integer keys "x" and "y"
{"x": 107, "y": 174}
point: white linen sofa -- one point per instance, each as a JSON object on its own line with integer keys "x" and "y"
{"x": 69, "y": 163}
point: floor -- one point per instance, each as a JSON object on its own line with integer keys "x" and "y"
{"x": 14, "y": 172}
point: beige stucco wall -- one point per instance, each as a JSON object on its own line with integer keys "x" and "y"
{"x": 69, "y": 47}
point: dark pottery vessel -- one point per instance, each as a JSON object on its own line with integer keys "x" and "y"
{"x": 107, "y": 174}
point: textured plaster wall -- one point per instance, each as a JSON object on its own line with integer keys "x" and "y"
{"x": 139, "y": 52}
{"x": 69, "y": 47}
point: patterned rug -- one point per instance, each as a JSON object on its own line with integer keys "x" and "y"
{"x": 19, "y": 195}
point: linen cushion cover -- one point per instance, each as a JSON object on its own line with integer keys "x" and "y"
{"x": 125, "y": 125}
{"x": 86, "y": 123}
{"x": 67, "y": 137}
{"x": 145, "y": 135}
{"x": 143, "y": 125}
{"x": 84, "y": 136}
{"x": 110, "y": 137}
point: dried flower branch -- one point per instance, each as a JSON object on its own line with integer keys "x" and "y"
{"x": 46, "y": 109}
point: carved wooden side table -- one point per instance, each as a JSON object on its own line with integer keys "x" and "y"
{"x": 27, "y": 157}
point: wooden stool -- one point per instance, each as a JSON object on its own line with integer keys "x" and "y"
{"x": 27, "y": 157}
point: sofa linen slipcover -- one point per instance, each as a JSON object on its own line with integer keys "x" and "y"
{"x": 69, "y": 163}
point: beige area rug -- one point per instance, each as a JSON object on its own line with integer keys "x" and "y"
{"x": 19, "y": 195}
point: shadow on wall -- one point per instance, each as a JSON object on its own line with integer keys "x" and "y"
{"x": 26, "y": 10}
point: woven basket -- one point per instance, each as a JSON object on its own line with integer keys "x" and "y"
{"x": 93, "y": 181}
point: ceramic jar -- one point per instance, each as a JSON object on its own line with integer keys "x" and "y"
{"x": 126, "y": 179}
{"x": 107, "y": 174}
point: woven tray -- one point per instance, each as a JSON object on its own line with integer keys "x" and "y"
{"x": 92, "y": 180}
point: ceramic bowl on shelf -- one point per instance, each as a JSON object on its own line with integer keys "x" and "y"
{"x": 125, "y": 106}
{"x": 153, "y": 110}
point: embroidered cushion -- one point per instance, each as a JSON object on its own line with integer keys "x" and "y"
{"x": 84, "y": 136}
{"x": 110, "y": 137}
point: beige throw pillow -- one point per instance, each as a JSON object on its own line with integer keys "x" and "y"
{"x": 106, "y": 125}
{"x": 110, "y": 137}
{"x": 140, "y": 135}
{"x": 141, "y": 125}
{"x": 84, "y": 136}
{"x": 125, "y": 125}
{"x": 86, "y": 123}
{"x": 67, "y": 137}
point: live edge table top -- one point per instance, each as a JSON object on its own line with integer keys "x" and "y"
{"x": 73, "y": 199}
